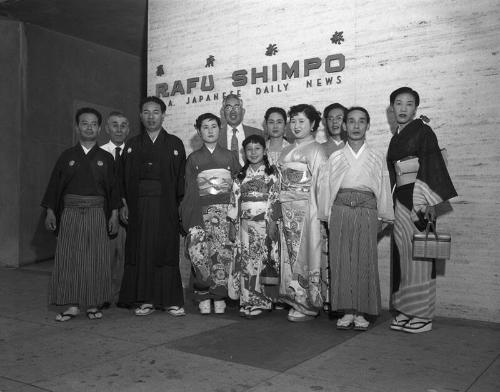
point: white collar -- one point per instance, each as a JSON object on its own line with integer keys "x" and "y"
{"x": 238, "y": 128}
{"x": 85, "y": 149}
{"x": 360, "y": 151}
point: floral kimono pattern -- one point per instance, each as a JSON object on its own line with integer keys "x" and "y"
{"x": 300, "y": 284}
{"x": 254, "y": 205}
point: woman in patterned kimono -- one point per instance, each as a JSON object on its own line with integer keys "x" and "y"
{"x": 275, "y": 123}
{"x": 420, "y": 181}
{"x": 299, "y": 165}
{"x": 209, "y": 173}
{"x": 254, "y": 209}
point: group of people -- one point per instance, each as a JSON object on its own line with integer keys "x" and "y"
{"x": 268, "y": 221}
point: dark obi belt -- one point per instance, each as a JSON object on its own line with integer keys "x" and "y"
{"x": 355, "y": 198}
{"x": 78, "y": 201}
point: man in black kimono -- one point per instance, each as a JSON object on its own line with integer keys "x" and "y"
{"x": 82, "y": 204}
{"x": 153, "y": 165}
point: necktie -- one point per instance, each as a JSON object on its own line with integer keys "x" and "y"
{"x": 117, "y": 153}
{"x": 234, "y": 141}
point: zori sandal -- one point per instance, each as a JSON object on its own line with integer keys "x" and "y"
{"x": 399, "y": 322}
{"x": 68, "y": 314}
{"x": 176, "y": 311}
{"x": 418, "y": 326}
{"x": 94, "y": 314}
{"x": 144, "y": 310}
{"x": 346, "y": 322}
{"x": 360, "y": 323}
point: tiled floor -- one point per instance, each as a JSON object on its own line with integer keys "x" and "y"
{"x": 122, "y": 352}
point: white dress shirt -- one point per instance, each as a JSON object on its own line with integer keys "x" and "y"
{"x": 110, "y": 147}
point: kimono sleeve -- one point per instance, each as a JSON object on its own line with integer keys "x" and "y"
{"x": 50, "y": 198}
{"x": 433, "y": 184}
{"x": 384, "y": 197}
{"x": 233, "y": 210}
{"x": 180, "y": 171}
{"x": 190, "y": 207}
{"x": 273, "y": 212}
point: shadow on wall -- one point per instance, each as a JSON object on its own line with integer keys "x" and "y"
{"x": 43, "y": 242}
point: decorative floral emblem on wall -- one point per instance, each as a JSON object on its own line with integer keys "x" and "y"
{"x": 271, "y": 50}
{"x": 159, "y": 70}
{"x": 210, "y": 61}
{"x": 337, "y": 37}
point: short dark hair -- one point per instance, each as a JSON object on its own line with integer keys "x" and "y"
{"x": 154, "y": 99}
{"x": 275, "y": 109}
{"x": 310, "y": 112}
{"x": 404, "y": 90}
{"x": 332, "y": 106}
{"x": 93, "y": 111}
{"x": 361, "y": 109}
{"x": 205, "y": 116}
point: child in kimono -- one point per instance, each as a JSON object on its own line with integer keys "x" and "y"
{"x": 209, "y": 174}
{"x": 254, "y": 209}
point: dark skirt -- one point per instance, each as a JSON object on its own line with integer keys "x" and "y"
{"x": 82, "y": 265}
{"x": 145, "y": 278}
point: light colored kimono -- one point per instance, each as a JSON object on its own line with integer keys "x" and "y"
{"x": 300, "y": 287}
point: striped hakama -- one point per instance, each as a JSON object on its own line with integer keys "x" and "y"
{"x": 353, "y": 252}
{"x": 82, "y": 269}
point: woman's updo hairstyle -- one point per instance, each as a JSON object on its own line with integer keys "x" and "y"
{"x": 309, "y": 111}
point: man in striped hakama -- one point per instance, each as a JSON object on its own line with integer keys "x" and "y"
{"x": 354, "y": 198}
{"x": 421, "y": 181}
{"x": 82, "y": 208}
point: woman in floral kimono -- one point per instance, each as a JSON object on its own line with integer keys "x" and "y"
{"x": 298, "y": 166}
{"x": 275, "y": 124}
{"x": 254, "y": 209}
{"x": 420, "y": 181}
{"x": 209, "y": 179}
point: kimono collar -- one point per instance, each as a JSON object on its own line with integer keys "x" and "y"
{"x": 360, "y": 151}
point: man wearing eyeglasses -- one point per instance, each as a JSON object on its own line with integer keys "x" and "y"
{"x": 234, "y": 131}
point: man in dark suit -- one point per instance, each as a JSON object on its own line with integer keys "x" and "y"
{"x": 234, "y": 132}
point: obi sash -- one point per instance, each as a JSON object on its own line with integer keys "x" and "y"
{"x": 214, "y": 182}
{"x": 295, "y": 177}
{"x": 406, "y": 170}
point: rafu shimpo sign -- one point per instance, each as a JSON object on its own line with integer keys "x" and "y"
{"x": 277, "y": 78}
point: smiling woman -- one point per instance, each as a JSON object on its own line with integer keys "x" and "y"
{"x": 299, "y": 166}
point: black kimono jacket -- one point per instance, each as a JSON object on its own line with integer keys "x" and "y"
{"x": 101, "y": 165}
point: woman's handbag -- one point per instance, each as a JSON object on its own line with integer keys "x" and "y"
{"x": 431, "y": 245}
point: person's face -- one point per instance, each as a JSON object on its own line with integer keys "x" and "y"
{"x": 88, "y": 127}
{"x": 275, "y": 125}
{"x": 300, "y": 126}
{"x": 335, "y": 121}
{"x": 254, "y": 152}
{"x": 152, "y": 117}
{"x": 117, "y": 128}
{"x": 233, "y": 111}
{"x": 209, "y": 131}
{"x": 404, "y": 108}
{"x": 357, "y": 125}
